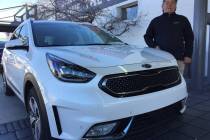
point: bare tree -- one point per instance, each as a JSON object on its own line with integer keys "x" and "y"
{"x": 72, "y": 10}
{"x": 117, "y": 25}
{"x": 85, "y": 11}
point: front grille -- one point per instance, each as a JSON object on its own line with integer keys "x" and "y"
{"x": 140, "y": 82}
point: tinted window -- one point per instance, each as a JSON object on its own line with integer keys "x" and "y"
{"x": 130, "y": 13}
{"x": 69, "y": 34}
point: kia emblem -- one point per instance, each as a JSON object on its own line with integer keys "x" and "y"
{"x": 146, "y": 66}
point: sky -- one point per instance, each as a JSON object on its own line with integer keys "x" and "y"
{"x": 11, "y": 3}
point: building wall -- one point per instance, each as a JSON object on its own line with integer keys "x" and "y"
{"x": 147, "y": 10}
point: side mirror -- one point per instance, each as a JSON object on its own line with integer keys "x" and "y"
{"x": 17, "y": 44}
{"x": 25, "y": 40}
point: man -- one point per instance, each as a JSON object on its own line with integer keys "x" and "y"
{"x": 172, "y": 33}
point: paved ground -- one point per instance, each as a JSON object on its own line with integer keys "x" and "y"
{"x": 194, "y": 125}
{"x": 13, "y": 122}
{"x": 11, "y": 108}
{"x": 17, "y": 130}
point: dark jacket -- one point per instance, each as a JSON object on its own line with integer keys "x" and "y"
{"x": 172, "y": 33}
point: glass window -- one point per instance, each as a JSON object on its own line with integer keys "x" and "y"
{"x": 130, "y": 13}
{"x": 23, "y": 32}
{"x": 70, "y": 34}
{"x": 16, "y": 34}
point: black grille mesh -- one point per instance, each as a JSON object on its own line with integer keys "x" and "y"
{"x": 141, "y": 82}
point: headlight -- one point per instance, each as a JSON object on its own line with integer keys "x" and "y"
{"x": 67, "y": 71}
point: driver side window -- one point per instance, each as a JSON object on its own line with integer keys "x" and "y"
{"x": 23, "y": 33}
{"x": 16, "y": 34}
{"x": 20, "y": 33}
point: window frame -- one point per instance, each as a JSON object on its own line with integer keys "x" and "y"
{"x": 124, "y": 13}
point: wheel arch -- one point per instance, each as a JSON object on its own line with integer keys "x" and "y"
{"x": 29, "y": 82}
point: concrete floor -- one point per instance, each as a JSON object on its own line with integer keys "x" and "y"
{"x": 11, "y": 108}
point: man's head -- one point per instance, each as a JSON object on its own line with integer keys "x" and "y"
{"x": 169, "y": 6}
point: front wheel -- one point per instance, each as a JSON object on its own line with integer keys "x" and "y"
{"x": 37, "y": 116}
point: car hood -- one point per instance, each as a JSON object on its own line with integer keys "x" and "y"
{"x": 108, "y": 55}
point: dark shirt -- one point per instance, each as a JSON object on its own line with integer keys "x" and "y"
{"x": 172, "y": 33}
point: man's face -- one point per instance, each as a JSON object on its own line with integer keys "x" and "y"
{"x": 169, "y": 6}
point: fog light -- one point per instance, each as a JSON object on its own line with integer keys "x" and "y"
{"x": 101, "y": 130}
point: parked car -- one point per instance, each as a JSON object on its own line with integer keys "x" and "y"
{"x": 2, "y": 43}
{"x": 77, "y": 81}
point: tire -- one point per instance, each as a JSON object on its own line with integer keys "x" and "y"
{"x": 37, "y": 116}
{"x": 7, "y": 91}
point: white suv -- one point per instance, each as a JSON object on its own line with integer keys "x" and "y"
{"x": 79, "y": 82}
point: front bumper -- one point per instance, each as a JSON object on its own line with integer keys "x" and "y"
{"x": 77, "y": 114}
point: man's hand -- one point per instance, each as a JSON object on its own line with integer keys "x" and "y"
{"x": 187, "y": 60}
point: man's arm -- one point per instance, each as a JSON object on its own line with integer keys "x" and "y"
{"x": 149, "y": 36}
{"x": 188, "y": 38}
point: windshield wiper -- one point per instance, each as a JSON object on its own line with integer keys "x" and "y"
{"x": 88, "y": 44}
{"x": 110, "y": 43}
{"x": 118, "y": 43}
{"x": 98, "y": 44}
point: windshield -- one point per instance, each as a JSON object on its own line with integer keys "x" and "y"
{"x": 71, "y": 34}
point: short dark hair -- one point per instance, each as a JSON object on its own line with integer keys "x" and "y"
{"x": 165, "y": 0}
